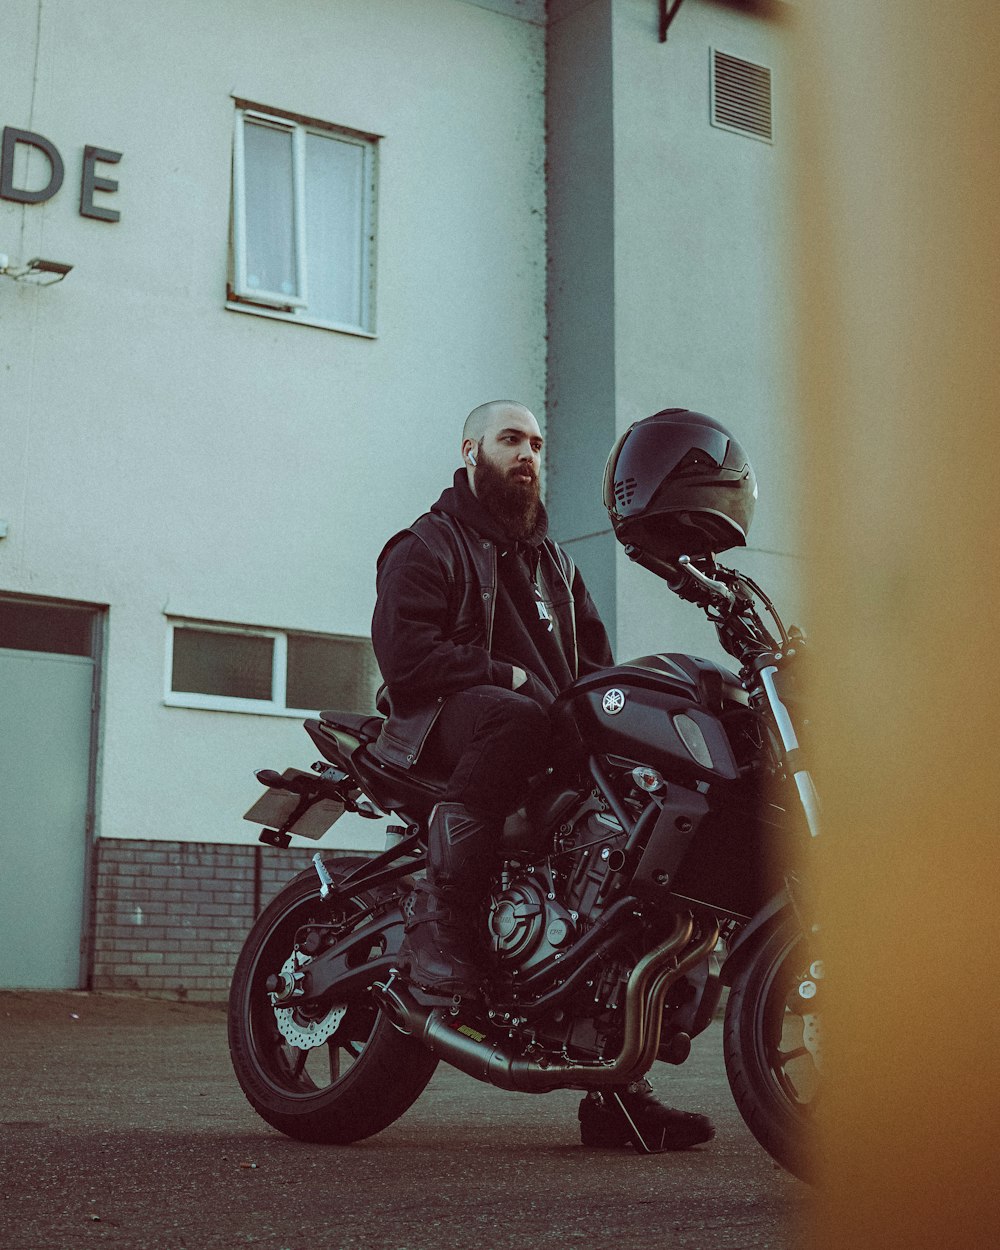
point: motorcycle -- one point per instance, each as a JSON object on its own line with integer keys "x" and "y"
{"x": 657, "y": 862}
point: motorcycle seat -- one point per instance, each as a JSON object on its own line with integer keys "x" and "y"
{"x": 397, "y": 787}
{"x": 417, "y": 790}
{"x": 364, "y": 726}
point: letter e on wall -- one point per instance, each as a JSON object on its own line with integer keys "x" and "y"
{"x": 89, "y": 183}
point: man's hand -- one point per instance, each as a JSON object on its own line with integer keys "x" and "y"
{"x": 519, "y": 678}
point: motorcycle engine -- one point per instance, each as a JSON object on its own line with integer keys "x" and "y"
{"x": 537, "y": 914}
{"x": 529, "y": 929}
{"x": 527, "y": 926}
{"x": 540, "y": 912}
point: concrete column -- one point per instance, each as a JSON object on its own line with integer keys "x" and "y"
{"x": 580, "y": 403}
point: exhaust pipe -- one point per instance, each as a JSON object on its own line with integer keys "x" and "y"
{"x": 469, "y": 1049}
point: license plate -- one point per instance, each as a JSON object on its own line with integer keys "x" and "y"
{"x": 275, "y": 807}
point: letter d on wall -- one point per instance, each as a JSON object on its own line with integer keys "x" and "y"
{"x": 11, "y": 138}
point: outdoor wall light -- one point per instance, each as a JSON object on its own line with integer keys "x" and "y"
{"x": 38, "y": 271}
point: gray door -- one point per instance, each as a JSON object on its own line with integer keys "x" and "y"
{"x": 45, "y": 754}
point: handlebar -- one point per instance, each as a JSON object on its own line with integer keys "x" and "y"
{"x": 727, "y": 598}
{"x": 717, "y": 593}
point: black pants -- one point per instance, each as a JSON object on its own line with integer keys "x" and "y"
{"x": 490, "y": 742}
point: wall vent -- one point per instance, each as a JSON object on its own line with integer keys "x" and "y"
{"x": 741, "y": 96}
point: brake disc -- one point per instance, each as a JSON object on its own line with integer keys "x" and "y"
{"x": 811, "y": 1038}
{"x": 298, "y": 1029}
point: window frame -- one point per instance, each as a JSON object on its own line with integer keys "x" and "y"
{"x": 275, "y": 706}
{"x": 295, "y": 308}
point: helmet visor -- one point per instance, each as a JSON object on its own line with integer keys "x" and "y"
{"x": 652, "y": 451}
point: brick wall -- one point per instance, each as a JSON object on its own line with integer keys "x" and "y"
{"x": 169, "y": 918}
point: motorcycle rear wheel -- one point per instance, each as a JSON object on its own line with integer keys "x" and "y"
{"x": 356, "y": 1074}
{"x": 773, "y": 1073}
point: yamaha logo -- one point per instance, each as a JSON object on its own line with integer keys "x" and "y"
{"x": 613, "y": 701}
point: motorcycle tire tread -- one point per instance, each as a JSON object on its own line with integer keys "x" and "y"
{"x": 383, "y": 1082}
{"x": 782, "y": 1131}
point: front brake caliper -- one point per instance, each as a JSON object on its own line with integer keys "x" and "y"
{"x": 804, "y": 1002}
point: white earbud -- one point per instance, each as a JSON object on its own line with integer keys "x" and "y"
{"x": 472, "y": 458}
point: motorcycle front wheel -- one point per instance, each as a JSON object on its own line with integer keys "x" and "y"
{"x": 772, "y": 1049}
{"x": 337, "y": 1074}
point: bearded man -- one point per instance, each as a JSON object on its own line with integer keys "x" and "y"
{"x": 481, "y": 620}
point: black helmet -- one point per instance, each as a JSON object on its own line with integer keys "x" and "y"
{"x": 678, "y": 483}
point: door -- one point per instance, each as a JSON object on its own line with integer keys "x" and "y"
{"x": 46, "y": 749}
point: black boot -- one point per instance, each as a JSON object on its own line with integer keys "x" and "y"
{"x": 441, "y": 947}
{"x": 664, "y": 1128}
{"x": 438, "y": 952}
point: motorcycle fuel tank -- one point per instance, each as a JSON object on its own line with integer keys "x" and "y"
{"x": 660, "y": 710}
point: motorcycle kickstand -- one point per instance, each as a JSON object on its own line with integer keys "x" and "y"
{"x": 640, "y": 1142}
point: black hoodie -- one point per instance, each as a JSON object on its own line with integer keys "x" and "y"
{"x": 436, "y": 632}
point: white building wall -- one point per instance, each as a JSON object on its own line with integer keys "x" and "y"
{"x": 164, "y": 455}
{"x": 701, "y": 228}
{"x": 666, "y": 282}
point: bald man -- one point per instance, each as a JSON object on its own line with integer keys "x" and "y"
{"x": 481, "y": 620}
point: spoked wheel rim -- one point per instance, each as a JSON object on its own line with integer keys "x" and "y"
{"x": 302, "y": 1053}
{"x": 787, "y": 1032}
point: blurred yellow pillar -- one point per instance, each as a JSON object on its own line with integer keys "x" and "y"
{"x": 899, "y": 309}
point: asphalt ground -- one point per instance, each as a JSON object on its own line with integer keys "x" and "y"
{"x": 121, "y": 1125}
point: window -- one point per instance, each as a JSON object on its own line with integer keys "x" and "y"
{"x": 36, "y": 625}
{"x": 303, "y": 221}
{"x": 241, "y": 669}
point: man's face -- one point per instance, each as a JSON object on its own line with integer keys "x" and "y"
{"x": 506, "y": 477}
{"x": 513, "y": 443}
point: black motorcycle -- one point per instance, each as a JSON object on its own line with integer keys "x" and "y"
{"x": 655, "y": 863}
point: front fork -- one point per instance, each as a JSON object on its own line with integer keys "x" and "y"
{"x": 790, "y": 742}
{"x": 804, "y": 997}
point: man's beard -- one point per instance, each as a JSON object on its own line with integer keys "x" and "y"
{"x": 515, "y": 504}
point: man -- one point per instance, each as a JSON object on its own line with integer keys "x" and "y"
{"x": 481, "y": 620}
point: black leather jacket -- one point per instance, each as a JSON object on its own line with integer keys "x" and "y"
{"x": 433, "y": 628}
